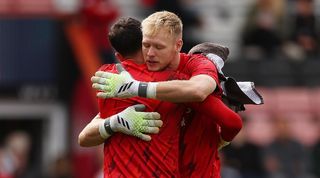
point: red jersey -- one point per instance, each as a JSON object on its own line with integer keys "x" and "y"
{"x": 197, "y": 64}
{"x": 200, "y": 133}
{"x": 128, "y": 156}
{"x": 131, "y": 157}
{"x": 198, "y": 147}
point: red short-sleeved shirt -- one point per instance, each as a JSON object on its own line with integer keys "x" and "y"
{"x": 200, "y": 134}
{"x": 128, "y": 156}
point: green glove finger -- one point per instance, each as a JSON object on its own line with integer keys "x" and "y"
{"x": 143, "y": 136}
{"x": 122, "y": 71}
{"x": 150, "y": 115}
{"x": 96, "y": 86}
{"x": 104, "y": 88}
{"x": 99, "y": 80}
{"x": 95, "y": 79}
{"x": 139, "y": 107}
{"x": 150, "y": 130}
{"x": 103, "y": 95}
{"x": 104, "y": 74}
{"x": 153, "y": 123}
{"x": 119, "y": 68}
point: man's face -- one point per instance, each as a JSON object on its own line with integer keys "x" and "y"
{"x": 160, "y": 51}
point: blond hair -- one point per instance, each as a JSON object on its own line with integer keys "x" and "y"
{"x": 162, "y": 20}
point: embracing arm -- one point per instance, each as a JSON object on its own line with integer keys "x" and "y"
{"x": 196, "y": 89}
{"x": 130, "y": 121}
{"x": 229, "y": 121}
{"x": 122, "y": 85}
{"x": 90, "y": 135}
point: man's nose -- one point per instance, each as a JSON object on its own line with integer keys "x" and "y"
{"x": 151, "y": 52}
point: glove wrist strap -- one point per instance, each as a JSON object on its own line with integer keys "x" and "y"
{"x": 142, "y": 89}
{"x": 147, "y": 89}
{"x": 105, "y": 129}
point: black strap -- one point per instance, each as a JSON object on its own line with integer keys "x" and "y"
{"x": 142, "y": 90}
{"x": 108, "y": 127}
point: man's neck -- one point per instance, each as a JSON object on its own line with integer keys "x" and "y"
{"x": 175, "y": 63}
{"x": 137, "y": 58}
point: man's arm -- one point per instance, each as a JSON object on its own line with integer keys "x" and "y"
{"x": 130, "y": 121}
{"x": 194, "y": 90}
{"x": 229, "y": 121}
{"x": 90, "y": 135}
{"x": 122, "y": 85}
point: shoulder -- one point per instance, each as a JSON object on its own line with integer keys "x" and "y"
{"x": 107, "y": 68}
{"x": 128, "y": 65}
{"x": 185, "y": 58}
{"x": 195, "y": 62}
{"x": 194, "y": 59}
{"x": 199, "y": 59}
{"x": 132, "y": 66}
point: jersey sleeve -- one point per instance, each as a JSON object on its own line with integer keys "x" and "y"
{"x": 229, "y": 121}
{"x": 199, "y": 64}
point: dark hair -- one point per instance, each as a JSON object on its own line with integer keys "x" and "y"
{"x": 125, "y": 36}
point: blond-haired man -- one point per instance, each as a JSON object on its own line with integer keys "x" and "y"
{"x": 161, "y": 45}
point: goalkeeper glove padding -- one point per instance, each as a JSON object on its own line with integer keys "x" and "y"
{"x": 121, "y": 85}
{"x": 222, "y": 143}
{"x": 132, "y": 121}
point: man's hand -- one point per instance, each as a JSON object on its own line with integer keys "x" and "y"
{"x": 115, "y": 85}
{"x": 132, "y": 121}
{"x": 222, "y": 144}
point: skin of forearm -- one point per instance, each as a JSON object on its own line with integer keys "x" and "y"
{"x": 90, "y": 135}
{"x": 194, "y": 90}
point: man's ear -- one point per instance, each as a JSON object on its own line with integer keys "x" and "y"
{"x": 179, "y": 45}
{"x": 119, "y": 56}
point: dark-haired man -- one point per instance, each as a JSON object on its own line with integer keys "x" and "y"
{"x": 159, "y": 157}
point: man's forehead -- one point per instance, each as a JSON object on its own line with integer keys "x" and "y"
{"x": 160, "y": 31}
{"x": 159, "y": 38}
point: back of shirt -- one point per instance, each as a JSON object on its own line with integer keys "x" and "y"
{"x": 159, "y": 157}
{"x": 128, "y": 156}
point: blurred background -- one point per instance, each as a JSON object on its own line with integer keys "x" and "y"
{"x": 49, "y": 49}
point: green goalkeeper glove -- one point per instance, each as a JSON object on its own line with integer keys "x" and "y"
{"x": 132, "y": 122}
{"x": 222, "y": 143}
{"x": 121, "y": 85}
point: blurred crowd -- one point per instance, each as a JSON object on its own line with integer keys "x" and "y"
{"x": 14, "y": 155}
{"x": 283, "y": 157}
{"x": 281, "y": 28}
{"x": 272, "y": 30}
